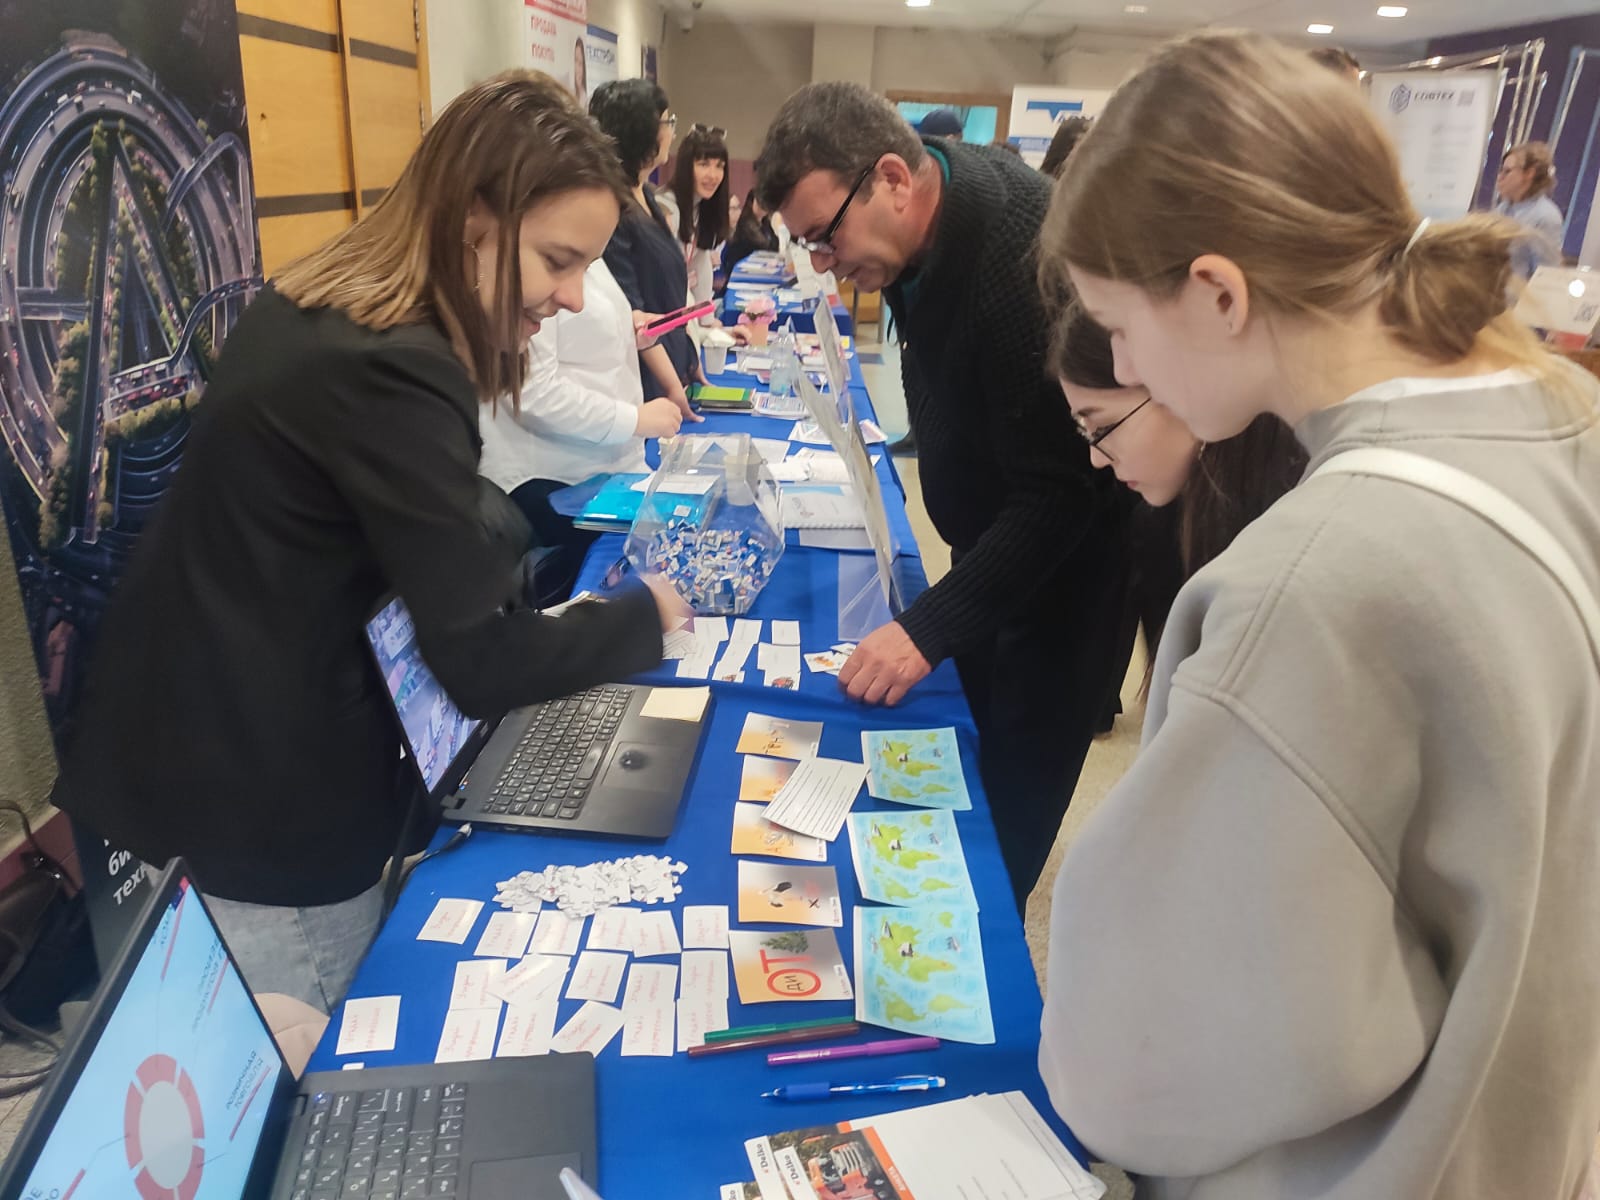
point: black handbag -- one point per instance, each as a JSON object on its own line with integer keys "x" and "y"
{"x": 46, "y": 950}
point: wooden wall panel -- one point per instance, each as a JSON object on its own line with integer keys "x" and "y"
{"x": 386, "y": 22}
{"x": 298, "y": 142}
{"x": 284, "y": 239}
{"x": 311, "y": 14}
{"x": 387, "y": 120}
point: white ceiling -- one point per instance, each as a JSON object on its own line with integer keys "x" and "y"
{"x": 1355, "y": 22}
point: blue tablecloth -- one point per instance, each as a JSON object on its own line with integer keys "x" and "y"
{"x": 677, "y": 1126}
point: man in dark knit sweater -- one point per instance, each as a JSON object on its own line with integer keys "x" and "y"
{"x": 1029, "y": 610}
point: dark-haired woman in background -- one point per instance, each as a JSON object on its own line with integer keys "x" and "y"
{"x": 752, "y": 233}
{"x": 696, "y": 205}
{"x": 644, "y": 255}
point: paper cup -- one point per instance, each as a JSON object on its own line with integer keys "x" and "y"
{"x": 716, "y": 359}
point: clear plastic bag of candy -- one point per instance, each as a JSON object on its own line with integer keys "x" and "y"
{"x": 710, "y": 522}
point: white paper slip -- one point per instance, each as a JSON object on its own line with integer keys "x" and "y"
{"x": 765, "y": 1166}
{"x": 368, "y": 1025}
{"x": 589, "y": 1031}
{"x": 507, "y": 935}
{"x": 786, "y": 633}
{"x": 654, "y": 934}
{"x": 557, "y": 933}
{"x": 536, "y": 976}
{"x": 791, "y": 472}
{"x": 649, "y": 984}
{"x": 649, "y": 1030}
{"x": 732, "y": 661}
{"x": 678, "y": 644}
{"x": 697, "y": 665}
{"x": 676, "y": 704}
{"x": 527, "y": 1030}
{"x": 612, "y": 929}
{"x": 711, "y": 629}
{"x": 817, "y": 797}
{"x": 704, "y": 975}
{"x": 753, "y": 364}
{"x": 746, "y": 632}
{"x": 476, "y": 984}
{"x": 353, "y": 1066}
{"x": 705, "y": 926}
{"x": 468, "y": 1035}
{"x": 782, "y": 668}
{"x": 597, "y": 976}
{"x": 771, "y": 449}
{"x": 698, "y": 1017}
{"x": 450, "y": 921}
{"x": 836, "y": 539}
{"x": 814, "y": 509}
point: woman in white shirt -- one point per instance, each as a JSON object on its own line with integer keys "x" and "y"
{"x": 582, "y": 413}
{"x": 696, "y": 205}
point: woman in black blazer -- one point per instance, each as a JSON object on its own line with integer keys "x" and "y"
{"x": 232, "y": 714}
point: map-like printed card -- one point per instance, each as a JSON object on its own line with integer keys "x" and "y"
{"x": 910, "y": 858}
{"x": 915, "y": 766}
{"x": 920, "y": 970}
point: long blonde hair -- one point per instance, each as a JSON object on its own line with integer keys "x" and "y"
{"x": 1231, "y": 144}
{"x": 509, "y": 142}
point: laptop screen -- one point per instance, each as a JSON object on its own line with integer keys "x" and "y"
{"x": 173, "y": 1097}
{"x": 435, "y": 727}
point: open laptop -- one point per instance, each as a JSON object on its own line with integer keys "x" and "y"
{"x": 173, "y": 1088}
{"x": 587, "y": 763}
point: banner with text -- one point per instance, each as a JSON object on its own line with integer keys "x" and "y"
{"x": 556, "y": 45}
{"x": 1036, "y": 111}
{"x": 601, "y": 52}
{"x": 1440, "y": 122}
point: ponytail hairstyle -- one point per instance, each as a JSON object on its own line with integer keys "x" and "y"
{"x": 510, "y": 143}
{"x": 1226, "y": 144}
{"x": 711, "y": 228}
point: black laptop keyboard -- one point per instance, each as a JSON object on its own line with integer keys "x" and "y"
{"x": 401, "y": 1143}
{"x": 556, "y": 760}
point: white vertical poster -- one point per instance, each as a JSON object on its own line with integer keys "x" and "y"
{"x": 601, "y": 50}
{"x": 1036, "y": 111}
{"x": 1440, "y": 123}
{"x": 557, "y": 43}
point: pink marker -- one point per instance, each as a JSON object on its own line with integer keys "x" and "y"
{"x": 864, "y": 1050}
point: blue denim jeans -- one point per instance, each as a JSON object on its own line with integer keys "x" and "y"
{"x": 308, "y": 953}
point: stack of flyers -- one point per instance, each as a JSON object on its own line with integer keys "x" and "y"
{"x": 984, "y": 1145}
{"x": 910, "y": 858}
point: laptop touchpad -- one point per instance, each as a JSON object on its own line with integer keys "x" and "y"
{"x": 637, "y": 766}
{"x": 521, "y": 1178}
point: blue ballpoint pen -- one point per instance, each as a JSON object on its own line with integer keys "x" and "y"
{"x": 821, "y": 1091}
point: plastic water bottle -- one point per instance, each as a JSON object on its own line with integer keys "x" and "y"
{"x": 785, "y": 379}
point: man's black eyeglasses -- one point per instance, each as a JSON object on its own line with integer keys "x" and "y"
{"x": 823, "y": 243}
{"x": 1096, "y": 438}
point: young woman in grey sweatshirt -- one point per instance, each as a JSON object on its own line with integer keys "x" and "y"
{"x": 1337, "y": 933}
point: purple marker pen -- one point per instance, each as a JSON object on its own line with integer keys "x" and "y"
{"x": 865, "y": 1050}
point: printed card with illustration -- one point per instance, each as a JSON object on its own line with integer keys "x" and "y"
{"x": 915, "y": 766}
{"x": 778, "y": 738}
{"x": 779, "y": 894}
{"x": 920, "y": 970}
{"x": 762, "y": 778}
{"x": 910, "y": 858}
{"x": 790, "y": 964}
{"x": 754, "y": 834}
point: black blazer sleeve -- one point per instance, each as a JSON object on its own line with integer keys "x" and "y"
{"x": 411, "y": 476}
{"x": 620, "y": 256}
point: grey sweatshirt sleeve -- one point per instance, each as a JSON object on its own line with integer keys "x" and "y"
{"x": 1223, "y": 865}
